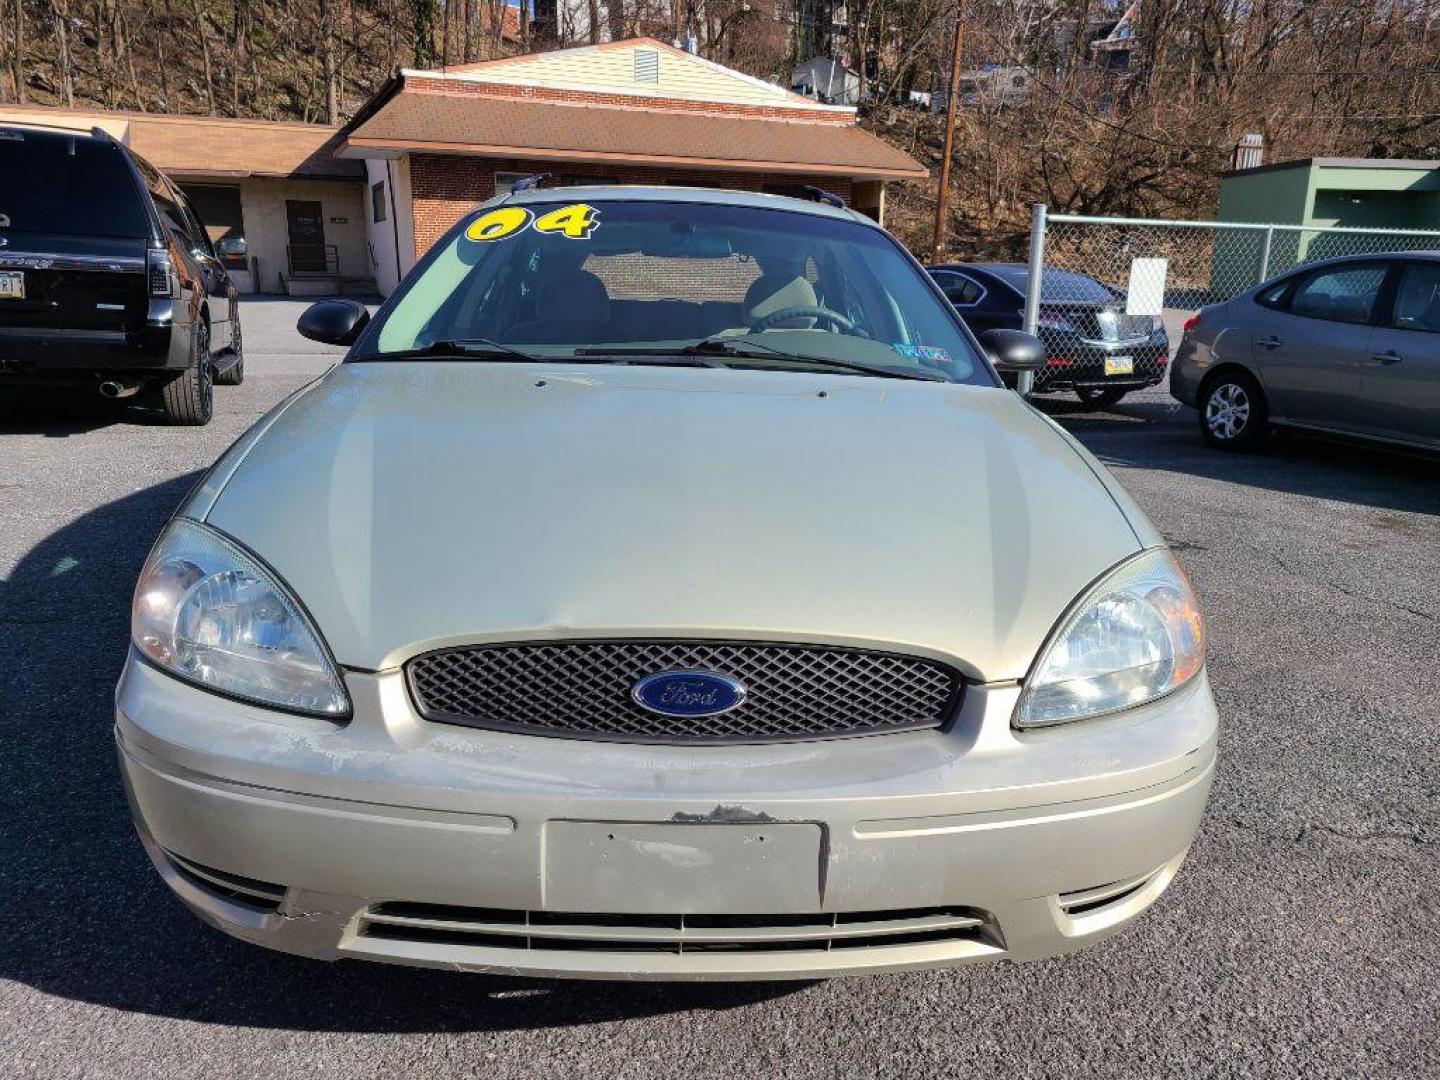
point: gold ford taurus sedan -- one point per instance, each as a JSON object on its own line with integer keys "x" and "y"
{"x": 664, "y": 586}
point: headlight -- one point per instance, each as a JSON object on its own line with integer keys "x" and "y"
{"x": 207, "y": 612}
{"x": 1133, "y": 637}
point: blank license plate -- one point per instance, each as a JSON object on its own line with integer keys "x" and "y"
{"x": 1119, "y": 365}
{"x": 653, "y": 868}
{"x": 12, "y": 285}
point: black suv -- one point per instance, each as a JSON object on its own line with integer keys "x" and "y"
{"x": 108, "y": 281}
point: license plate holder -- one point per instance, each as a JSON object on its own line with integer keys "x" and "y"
{"x": 12, "y": 285}
{"x": 716, "y": 869}
{"x": 1119, "y": 365}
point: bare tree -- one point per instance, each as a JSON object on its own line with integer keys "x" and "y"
{"x": 17, "y": 51}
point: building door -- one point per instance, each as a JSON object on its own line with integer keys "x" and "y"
{"x": 307, "y": 236}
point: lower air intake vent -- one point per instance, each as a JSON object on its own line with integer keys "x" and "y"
{"x": 260, "y": 895}
{"x": 1088, "y": 901}
{"x": 674, "y": 934}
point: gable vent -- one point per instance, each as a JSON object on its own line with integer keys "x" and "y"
{"x": 647, "y": 66}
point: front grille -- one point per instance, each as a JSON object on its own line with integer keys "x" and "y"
{"x": 675, "y": 934}
{"x": 583, "y": 690}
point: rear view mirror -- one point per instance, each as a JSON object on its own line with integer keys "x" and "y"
{"x": 231, "y": 246}
{"x": 334, "y": 322}
{"x": 1013, "y": 350}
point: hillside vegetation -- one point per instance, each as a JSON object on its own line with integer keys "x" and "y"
{"x": 1333, "y": 77}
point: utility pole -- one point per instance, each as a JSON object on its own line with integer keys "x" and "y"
{"x": 952, "y": 102}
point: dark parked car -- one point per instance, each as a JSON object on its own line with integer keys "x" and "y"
{"x": 1347, "y": 347}
{"x": 1092, "y": 346}
{"x": 108, "y": 281}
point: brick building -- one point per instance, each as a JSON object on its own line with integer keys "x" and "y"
{"x": 436, "y": 143}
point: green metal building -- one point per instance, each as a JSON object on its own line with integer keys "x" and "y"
{"x": 1321, "y": 193}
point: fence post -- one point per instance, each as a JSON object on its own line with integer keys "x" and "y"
{"x": 1025, "y": 381}
{"x": 1265, "y": 253}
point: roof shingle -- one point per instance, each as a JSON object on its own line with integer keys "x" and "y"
{"x": 513, "y": 127}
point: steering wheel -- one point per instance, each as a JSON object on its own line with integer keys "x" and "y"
{"x": 804, "y": 311}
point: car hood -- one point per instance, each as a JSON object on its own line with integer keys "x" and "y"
{"x": 416, "y": 505}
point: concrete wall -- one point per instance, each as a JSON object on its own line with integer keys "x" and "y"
{"x": 267, "y": 234}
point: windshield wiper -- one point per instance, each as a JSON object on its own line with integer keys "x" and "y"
{"x": 465, "y": 348}
{"x": 754, "y": 350}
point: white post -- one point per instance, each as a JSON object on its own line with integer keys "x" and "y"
{"x": 1265, "y": 253}
{"x": 1025, "y": 381}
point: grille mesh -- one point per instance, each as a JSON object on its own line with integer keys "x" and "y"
{"x": 583, "y": 689}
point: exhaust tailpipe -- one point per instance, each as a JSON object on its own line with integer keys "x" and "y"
{"x": 112, "y": 389}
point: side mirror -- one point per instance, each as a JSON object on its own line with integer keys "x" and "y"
{"x": 1013, "y": 350}
{"x": 334, "y": 322}
{"x": 231, "y": 246}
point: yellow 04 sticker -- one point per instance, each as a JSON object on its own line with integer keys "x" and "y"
{"x": 577, "y": 221}
{"x": 498, "y": 224}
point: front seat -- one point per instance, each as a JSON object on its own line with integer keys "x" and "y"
{"x": 577, "y": 309}
{"x": 776, "y": 289}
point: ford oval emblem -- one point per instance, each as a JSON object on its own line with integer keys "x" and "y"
{"x": 689, "y": 693}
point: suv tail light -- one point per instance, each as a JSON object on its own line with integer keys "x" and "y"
{"x": 157, "y": 271}
{"x": 1192, "y": 322}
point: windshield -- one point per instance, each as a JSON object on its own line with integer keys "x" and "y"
{"x": 630, "y": 280}
{"x": 1056, "y": 286}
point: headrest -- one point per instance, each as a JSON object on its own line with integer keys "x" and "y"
{"x": 774, "y": 292}
{"x": 572, "y": 296}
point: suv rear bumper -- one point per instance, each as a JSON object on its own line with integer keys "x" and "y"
{"x": 45, "y": 356}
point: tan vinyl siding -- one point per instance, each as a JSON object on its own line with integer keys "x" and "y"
{"x": 613, "y": 67}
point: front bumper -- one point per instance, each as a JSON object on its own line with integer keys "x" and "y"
{"x": 398, "y": 840}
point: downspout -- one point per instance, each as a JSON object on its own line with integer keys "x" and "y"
{"x": 394, "y": 218}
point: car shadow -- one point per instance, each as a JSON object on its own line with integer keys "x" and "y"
{"x": 59, "y": 414}
{"x": 94, "y": 922}
{"x": 1160, "y": 436}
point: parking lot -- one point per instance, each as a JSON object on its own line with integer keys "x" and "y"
{"x": 1301, "y": 939}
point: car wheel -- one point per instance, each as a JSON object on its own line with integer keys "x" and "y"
{"x": 1232, "y": 412}
{"x": 234, "y": 376}
{"x": 1101, "y": 397}
{"x": 189, "y": 398}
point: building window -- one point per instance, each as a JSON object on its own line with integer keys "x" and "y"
{"x": 377, "y": 202}
{"x": 506, "y": 181}
{"x": 589, "y": 181}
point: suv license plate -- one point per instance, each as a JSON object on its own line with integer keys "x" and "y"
{"x": 1119, "y": 365}
{"x": 12, "y": 285}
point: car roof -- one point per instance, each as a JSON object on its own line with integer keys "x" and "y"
{"x": 47, "y": 131}
{"x": 707, "y": 196}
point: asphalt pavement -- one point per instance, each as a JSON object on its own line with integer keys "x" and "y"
{"x": 1302, "y": 938}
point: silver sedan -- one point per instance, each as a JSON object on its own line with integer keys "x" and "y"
{"x": 1347, "y": 347}
{"x": 664, "y": 586}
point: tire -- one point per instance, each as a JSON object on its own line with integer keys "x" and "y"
{"x": 188, "y": 400}
{"x": 1101, "y": 397}
{"x": 1233, "y": 415}
{"x": 234, "y": 376}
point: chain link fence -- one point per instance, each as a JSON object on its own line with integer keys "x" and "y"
{"x": 1114, "y": 293}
